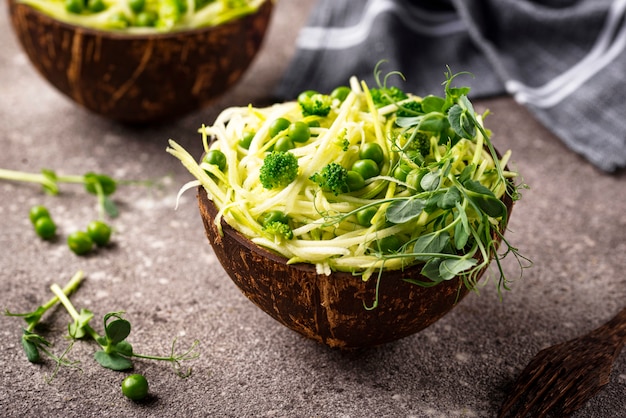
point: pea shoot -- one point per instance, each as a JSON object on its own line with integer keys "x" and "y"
{"x": 115, "y": 352}
{"x": 100, "y": 185}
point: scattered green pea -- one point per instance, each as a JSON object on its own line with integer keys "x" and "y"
{"x": 372, "y": 151}
{"x": 414, "y": 178}
{"x": 354, "y": 181}
{"x": 74, "y": 6}
{"x": 365, "y": 215}
{"x": 37, "y": 212}
{"x": 45, "y": 227}
{"x": 299, "y": 131}
{"x": 80, "y": 242}
{"x": 96, "y": 6}
{"x": 216, "y": 157}
{"x": 99, "y": 232}
{"x": 146, "y": 18}
{"x": 366, "y": 168}
{"x": 135, "y": 387}
{"x": 246, "y": 140}
{"x": 136, "y": 5}
{"x": 284, "y": 144}
{"x": 278, "y": 125}
{"x": 389, "y": 244}
{"x": 340, "y": 93}
{"x": 306, "y": 94}
{"x": 274, "y": 216}
{"x": 401, "y": 171}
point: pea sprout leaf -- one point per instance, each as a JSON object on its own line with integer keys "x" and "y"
{"x": 77, "y": 328}
{"x": 450, "y": 267}
{"x": 461, "y": 228}
{"x": 432, "y": 103}
{"x": 31, "y": 342}
{"x": 484, "y": 199}
{"x": 430, "y": 181}
{"x": 431, "y": 243}
{"x": 113, "y": 361}
{"x": 450, "y": 198}
{"x": 431, "y": 270}
{"x": 401, "y": 211}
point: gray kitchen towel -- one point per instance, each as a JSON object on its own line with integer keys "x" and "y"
{"x": 565, "y": 60}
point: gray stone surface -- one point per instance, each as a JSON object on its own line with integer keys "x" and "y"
{"x": 162, "y": 272}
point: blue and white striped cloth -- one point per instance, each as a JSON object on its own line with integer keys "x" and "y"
{"x": 565, "y": 60}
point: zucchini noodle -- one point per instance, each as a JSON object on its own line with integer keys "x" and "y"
{"x": 325, "y": 225}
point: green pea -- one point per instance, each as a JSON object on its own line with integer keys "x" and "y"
{"x": 274, "y": 216}
{"x": 45, "y": 227}
{"x": 401, "y": 171}
{"x": 366, "y": 168}
{"x": 414, "y": 178}
{"x": 372, "y": 151}
{"x": 216, "y": 157}
{"x": 38, "y": 211}
{"x": 389, "y": 244}
{"x": 278, "y": 125}
{"x": 299, "y": 131}
{"x": 354, "y": 181}
{"x": 118, "y": 20}
{"x": 147, "y": 18}
{"x": 80, "y": 242}
{"x": 135, "y": 387}
{"x": 314, "y": 123}
{"x": 136, "y": 5}
{"x": 340, "y": 93}
{"x": 74, "y": 6}
{"x": 306, "y": 94}
{"x": 284, "y": 144}
{"x": 99, "y": 232}
{"x": 246, "y": 140}
{"x": 365, "y": 215}
{"x": 96, "y": 6}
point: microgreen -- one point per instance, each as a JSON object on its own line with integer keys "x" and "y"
{"x": 115, "y": 352}
{"x": 100, "y": 185}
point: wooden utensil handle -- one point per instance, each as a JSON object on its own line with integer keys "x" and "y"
{"x": 616, "y": 327}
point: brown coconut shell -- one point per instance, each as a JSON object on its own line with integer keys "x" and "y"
{"x": 139, "y": 78}
{"x": 330, "y": 309}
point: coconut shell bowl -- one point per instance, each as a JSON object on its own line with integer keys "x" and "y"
{"x": 139, "y": 78}
{"x": 330, "y": 309}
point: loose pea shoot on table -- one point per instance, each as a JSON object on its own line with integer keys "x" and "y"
{"x": 114, "y": 352}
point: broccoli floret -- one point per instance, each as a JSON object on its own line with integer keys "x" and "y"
{"x": 333, "y": 178}
{"x": 418, "y": 148}
{"x": 314, "y": 104}
{"x": 422, "y": 143}
{"x": 278, "y": 170}
{"x": 408, "y": 109}
{"x": 278, "y": 229}
{"x": 388, "y": 95}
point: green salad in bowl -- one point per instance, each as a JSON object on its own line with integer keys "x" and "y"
{"x": 145, "y": 16}
{"x": 361, "y": 182}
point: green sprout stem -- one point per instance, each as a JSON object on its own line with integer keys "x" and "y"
{"x": 33, "y": 318}
{"x": 38, "y": 178}
{"x": 69, "y": 307}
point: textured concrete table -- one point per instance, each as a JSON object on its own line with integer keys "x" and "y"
{"x": 161, "y": 271}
